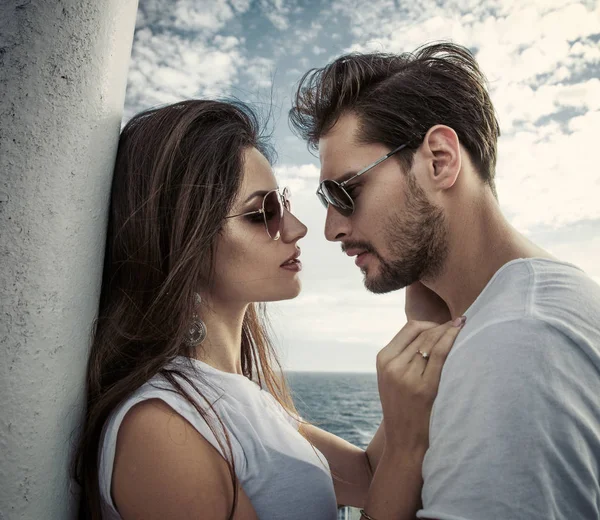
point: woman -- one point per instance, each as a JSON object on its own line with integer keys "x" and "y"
{"x": 188, "y": 415}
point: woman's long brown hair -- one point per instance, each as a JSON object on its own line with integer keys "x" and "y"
{"x": 177, "y": 173}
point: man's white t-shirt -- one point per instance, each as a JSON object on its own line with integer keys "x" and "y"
{"x": 282, "y": 474}
{"x": 515, "y": 429}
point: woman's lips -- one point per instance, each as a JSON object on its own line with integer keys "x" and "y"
{"x": 293, "y": 265}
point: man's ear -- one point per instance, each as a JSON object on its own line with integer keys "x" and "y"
{"x": 442, "y": 147}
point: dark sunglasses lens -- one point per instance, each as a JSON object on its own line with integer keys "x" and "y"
{"x": 337, "y": 197}
{"x": 273, "y": 213}
{"x": 322, "y": 198}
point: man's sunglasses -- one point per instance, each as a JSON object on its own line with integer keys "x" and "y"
{"x": 273, "y": 205}
{"x": 334, "y": 193}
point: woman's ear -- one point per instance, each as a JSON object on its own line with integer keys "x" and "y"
{"x": 443, "y": 147}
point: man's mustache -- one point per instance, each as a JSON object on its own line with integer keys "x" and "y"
{"x": 368, "y": 248}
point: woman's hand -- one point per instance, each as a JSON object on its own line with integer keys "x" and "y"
{"x": 424, "y": 305}
{"x": 408, "y": 375}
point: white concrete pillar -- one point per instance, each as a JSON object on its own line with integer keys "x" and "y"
{"x": 63, "y": 68}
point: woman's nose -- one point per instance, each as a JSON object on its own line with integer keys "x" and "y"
{"x": 293, "y": 228}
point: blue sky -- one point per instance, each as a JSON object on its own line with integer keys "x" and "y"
{"x": 541, "y": 57}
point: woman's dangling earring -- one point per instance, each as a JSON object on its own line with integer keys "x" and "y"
{"x": 197, "y": 331}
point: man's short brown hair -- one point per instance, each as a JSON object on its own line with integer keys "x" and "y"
{"x": 399, "y": 97}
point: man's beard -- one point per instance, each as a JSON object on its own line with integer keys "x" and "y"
{"x": 417, "y": 241}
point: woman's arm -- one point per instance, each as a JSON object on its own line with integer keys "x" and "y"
{"x": 352, "y": 468}
{"x": 165, "y": 469}
{"x": 348, "y": 463}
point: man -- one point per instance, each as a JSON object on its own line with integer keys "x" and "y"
{"x": 407, "y": 145}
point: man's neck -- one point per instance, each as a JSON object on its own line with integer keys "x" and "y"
{"x": 481, "y": 241}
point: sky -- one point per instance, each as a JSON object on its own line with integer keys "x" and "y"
{"x": 542, "y": 61}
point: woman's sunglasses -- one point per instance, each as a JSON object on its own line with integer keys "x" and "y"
{"x": 334, "y": 193}
{"x": 273, "y": 205}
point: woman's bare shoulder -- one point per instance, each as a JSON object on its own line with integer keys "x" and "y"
{"x": 164, "y": 468}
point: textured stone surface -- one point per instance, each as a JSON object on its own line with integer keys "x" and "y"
{"x": 63, "y": 68}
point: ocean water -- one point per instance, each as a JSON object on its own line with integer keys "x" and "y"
{"x": 346, "y": 404}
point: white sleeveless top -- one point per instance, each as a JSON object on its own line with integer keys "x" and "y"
{"x": 281, "y": 473}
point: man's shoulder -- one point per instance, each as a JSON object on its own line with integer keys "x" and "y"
{"x": 523, "y": 281}
{"x": 540, "y": 296}
{"x": 522, "y": 361}
{"x": 561, "y": 292}
{"x": 508, "y": 340}
{"x": 502, "y": 361}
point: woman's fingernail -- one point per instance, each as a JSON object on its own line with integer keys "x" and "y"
{"x": 459, "y": 322}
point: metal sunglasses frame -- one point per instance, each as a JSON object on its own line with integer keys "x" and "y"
{"x": 284, "y": 196}
{"x": 342, "y": 185}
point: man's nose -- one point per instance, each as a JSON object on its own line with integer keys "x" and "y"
{"x": 336, "y": 225}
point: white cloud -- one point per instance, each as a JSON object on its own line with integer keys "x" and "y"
{"x": 514, "y": 42}
{"x": 179, "y": 52}
{"x": 277, "y": 12}
{"x": 196, "y": 15}
{"x": 241, "y": 6}
{"x": 298, "y": 177}
{"x": 549, "y": 177}
{"x": 166, "y": 67}
{"x": 580, "y": 248}
{"x": 189, "y": 15}
{"x": 260, "y": 71}
{"x": 345, "y": 316}
{"x": 304, "y": 171}
{"x": 519, "y": 104}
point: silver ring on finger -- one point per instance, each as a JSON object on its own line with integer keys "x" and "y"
{"x": 424, "y": 355}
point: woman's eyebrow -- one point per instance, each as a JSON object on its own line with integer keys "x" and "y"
{"x": 256, "y": 194}
{"x": 261, "y": 193}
